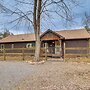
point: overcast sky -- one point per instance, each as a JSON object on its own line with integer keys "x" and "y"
{"x": 58, "y": 23}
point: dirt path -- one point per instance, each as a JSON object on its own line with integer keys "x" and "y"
{"x": 48, "y": 76}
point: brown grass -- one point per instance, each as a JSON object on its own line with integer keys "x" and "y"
{"x": 19, "y": 58}
{"x": 86, "y": 60}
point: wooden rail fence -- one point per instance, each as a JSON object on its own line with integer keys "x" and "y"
{"x": 77, "y": 51}
{"x": 12, "y": 52}
{"x": 28, "y": 53}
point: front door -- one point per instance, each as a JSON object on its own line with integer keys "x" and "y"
{"x": 51, "y": 47}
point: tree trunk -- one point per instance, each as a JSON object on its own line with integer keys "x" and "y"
{"x": 36, "y": 19}
{"x": 37, "y": 49}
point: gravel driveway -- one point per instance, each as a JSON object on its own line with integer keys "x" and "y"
{"x": 47, "y": 76}
{"x": 13, "y": 72}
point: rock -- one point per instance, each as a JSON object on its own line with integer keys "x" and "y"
{"x": 33, "y": 63}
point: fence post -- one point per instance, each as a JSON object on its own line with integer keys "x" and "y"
{"x": 60, "y": 48}
{"x": 22, "y": 54}
{"x": 4, "y": 56}
{"x": 64, "y": 52}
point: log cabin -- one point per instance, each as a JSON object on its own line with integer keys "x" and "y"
{"x": 55, "y": 41}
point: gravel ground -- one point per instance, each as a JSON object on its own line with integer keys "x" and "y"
{"x": 13, "y": 72}
{"x": 47, "y": 76}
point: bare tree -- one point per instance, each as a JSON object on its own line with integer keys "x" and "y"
{"x": 38, "y": 10}
{"x": 86, "y": 21}
{"x": 5, "y": 33}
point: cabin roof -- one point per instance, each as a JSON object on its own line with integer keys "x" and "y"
{"x": 66, "y": 34}
{"x": 74, "y": 34}
{"x": 18, "y": 38}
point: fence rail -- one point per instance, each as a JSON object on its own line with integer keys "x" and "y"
{"x": 19, "y": 53}
{"x": 22, "y": 53}
{"x": 78, "y": 48}
{"x": 28, "y": 53}
{"x": 77, "y": 51}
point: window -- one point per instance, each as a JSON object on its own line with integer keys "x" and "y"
{"x": 33, "y": 44}
{"x": 30, "y": 45}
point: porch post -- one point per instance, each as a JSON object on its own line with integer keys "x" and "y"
{"x": 45, "y": 51}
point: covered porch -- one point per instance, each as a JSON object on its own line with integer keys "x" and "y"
{"x": 53, "y": 43}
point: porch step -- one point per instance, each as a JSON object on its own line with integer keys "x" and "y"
{"x": 55, "y": 59}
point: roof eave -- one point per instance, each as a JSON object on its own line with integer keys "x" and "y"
{"x": 16, "y": 42}
{"x": 75, "y": 38}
